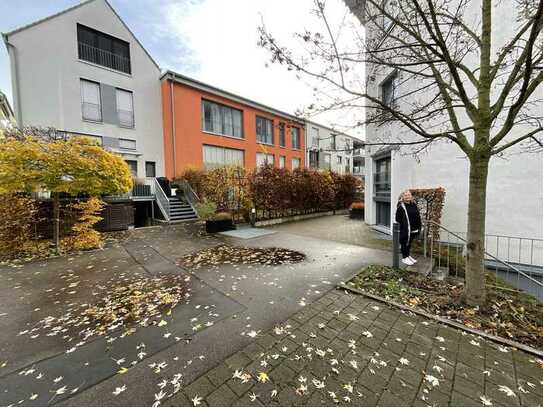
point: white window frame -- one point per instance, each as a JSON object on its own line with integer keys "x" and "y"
{"x": 127, "y": 111}
{"x": 87, "y": 101}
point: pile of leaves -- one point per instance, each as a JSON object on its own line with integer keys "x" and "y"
{"x": 508, "y": 313}
{"x": 224, "y": 254}
{"x": 142, "y": 301}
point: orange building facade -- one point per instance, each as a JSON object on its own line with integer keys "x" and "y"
{"x": 206, "y": 127}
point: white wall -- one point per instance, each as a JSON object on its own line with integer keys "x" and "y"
{"x": 49, "y": 75}
{"x": 515, "y": 192}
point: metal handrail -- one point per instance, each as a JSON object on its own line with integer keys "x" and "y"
{"x": 162, "y": 200}
{"x": 191, "y": 195}
{"x": 486, "y": 253}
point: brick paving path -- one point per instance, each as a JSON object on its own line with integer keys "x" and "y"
{"x": 349, "y": 350}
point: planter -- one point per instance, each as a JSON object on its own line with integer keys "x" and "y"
{"x": 215, "y": 226}
{"x": 356, "y": 213}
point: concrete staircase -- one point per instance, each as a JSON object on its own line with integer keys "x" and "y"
{"x": 181, "y": 211}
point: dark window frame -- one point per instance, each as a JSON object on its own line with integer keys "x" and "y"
{"x": 298, "y": 144}
{"x": 258, "y": 136}
{"x": 153, "y": 165}
{"x": 282, "y": 135}
{"x": 222, "y": 110}
{"x": 103, "y": 49}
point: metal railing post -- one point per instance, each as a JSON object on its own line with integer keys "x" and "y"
{"x": 396, "y": 245}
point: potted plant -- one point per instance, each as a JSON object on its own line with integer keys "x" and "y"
{"x": 356, "y": 211}
{"x": 220, "y": 222}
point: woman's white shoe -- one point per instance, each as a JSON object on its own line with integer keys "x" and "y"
{"x": 407, "y": 261}
{"x": 413, "y": 260}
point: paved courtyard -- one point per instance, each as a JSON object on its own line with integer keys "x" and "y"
{"x": 227, "y": 306}
{"x": 253, "y": 335}
{"x": 349, "y": 350}
{"x": 338, "y": 228}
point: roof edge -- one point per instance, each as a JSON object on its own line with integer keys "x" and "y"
{"x": 44, "y": 19}
{"x": 75, "y": 7}
{"x": 179, "y": 78}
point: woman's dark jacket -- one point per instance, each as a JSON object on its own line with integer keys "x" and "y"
{"x": 408, "y": 216}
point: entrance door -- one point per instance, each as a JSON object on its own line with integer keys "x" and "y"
{"x": 382, "y": 190}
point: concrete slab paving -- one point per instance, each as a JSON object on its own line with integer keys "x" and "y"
{"x": 248, "y": 300}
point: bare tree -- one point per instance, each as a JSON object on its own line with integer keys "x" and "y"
{"x": 461, "y": 82}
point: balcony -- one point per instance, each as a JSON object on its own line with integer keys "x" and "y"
{"x": 104, "y": 58}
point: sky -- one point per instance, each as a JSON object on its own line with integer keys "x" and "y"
{"x": 214, "y": 41}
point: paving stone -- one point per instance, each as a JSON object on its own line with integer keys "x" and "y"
{"x": 237, "y": 361}
{"x": 459, "y": 399}
{"x": 465, "y": 371}
{"x": 222, "y": 397}
{"x": 219, "y": 374}
{"x": 200, "y": 387}
{"x": 238, "y": 387}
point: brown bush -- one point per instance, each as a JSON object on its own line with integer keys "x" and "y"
{"x": 19, "y": 215}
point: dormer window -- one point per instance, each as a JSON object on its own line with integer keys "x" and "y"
{"x": 103, "y": 49}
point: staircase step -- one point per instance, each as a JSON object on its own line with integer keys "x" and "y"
{"x": 174, "y": 218}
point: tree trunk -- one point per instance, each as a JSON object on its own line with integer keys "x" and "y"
{"x": 56, "y": 220}
{"x": 474, "y": 292}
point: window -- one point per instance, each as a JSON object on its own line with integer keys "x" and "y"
{"x": 389, "y": 7}
{"x": 314, "y": 159}
{"x": 282, "y": 161}
{"x": 91, "y": 101}
{"x": 125, "y": 108}
{"x": 295, "y": 163}
{"x": 382, "y": 178}
{"x": 103, "y": 49}
{"x": 347, "y": 164}
{"x": 126, "y": 144}
{"x": 264, "y": 130}
{"x": 215, "y": 157}
{"x": 333, "y": 142}
{"x": 339, "y": 159}
{"x": 264, "y": 159}
{"x": 133, "y": 165}
{"x": 220, "y": 119}
{"x": 315, "y": 138}
{"x": 282, "y": 139}
{"x": 295, "y": 131}
{"x": 388, "y": 90}
{"x": 150, "y": 169}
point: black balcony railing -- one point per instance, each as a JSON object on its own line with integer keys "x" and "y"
{"x": 104, "y": 58}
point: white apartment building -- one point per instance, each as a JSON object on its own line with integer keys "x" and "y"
{"x": 331, "y": 150}
{"x": 82, "y": 71}
{"x": 514, "y": 196}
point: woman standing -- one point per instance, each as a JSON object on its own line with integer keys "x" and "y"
{"x": 408, "y": 216}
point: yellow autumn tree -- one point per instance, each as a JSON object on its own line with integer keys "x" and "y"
{"x": 71, "y": 165}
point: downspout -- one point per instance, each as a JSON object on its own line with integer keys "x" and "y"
{"x": 12, "y": 52}
{"x": 172, "y": 106}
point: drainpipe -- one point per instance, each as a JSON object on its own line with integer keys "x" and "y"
{"x": 172, "y": 105}
{"x": 12, "y": 52}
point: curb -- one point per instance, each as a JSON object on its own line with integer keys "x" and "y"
{"x": 457, "y": 325}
